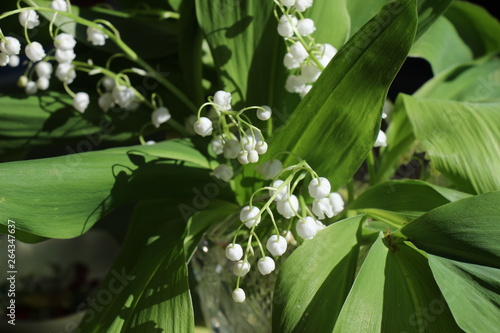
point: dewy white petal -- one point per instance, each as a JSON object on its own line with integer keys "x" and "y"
{"x": 381, "y": 140}
{"x": 223, "y": 172}
{"x": 289, "y": 207}
{"x": 203, "y": 126}
{"x": 302, "y": 5}
{"x": 231, "y": 149}
{"x": 4, "y": 59}
{"x": 241, "y": 268}
{"x": 160, "y": 116}
{"x": 96, "y": 36}
{"x": 59, "y": 5}
{"x": 266, "y": 265}
{"x": 238, "y": 295}
{"x": 35, "y": 51}
{"x": 337, "y": 202}
{"x": 250, "y": 216}
{"x": 223, "y": 99}
{"x": 64, "y": 42}
{"x": 305, "y": 26}
{"x": 322, "y": 207}
{"x": 65, "y": 56}
{"x": 276, "y": 245}
{"x": 309, "y": 73}
{"x": 264, "y": 113}
{"x": 66, "y": 73}
{"x": 299, "y": 52}
{"x": 319, "y": 188}
{"x": 31, "y": 88}
{"x": 42, "y": 83}
{"x": 282, "y": 195}
{"x": 10, "y": 46}
{"x": 81, "y": 101}
{"x": 234, "y": 252}
{"x": 44, "y": 69}
{"x": 29, "y": 19}
{"x": 106, "y": 101}
{"x": 306, "y": 228}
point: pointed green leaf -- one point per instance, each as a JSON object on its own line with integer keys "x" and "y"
{"x": 472, "y": 292}
{"x": 340, "y": 117}
{"x": 315, "y": 279}
{"x": 465, "y": 230}
{"x": 466, "y": 151}
{"x": 148, "y": 283}
{"x": 395, "y": 292}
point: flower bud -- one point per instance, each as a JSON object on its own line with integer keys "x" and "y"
{"x": 231, "y": 149}
{"x": 4, "y": 59}
{"x": 302, "y": 5}
{"x": 14, "y": 60}
{"x": 253, "y": 156}
{"x": 250, "y": 216}
{"x": 64, "y": 42}
{"x": 223, "y": 99}
{"x": 239, "y": 295}
{"x": 42, "y": 83}
{"x": 243, "y": 157}
{"x": 34, "y": 51}
{"x": 43, "y": 69}
{"x": 290, "y": 62}
{"x": 65, "y": 56}
{"x": 223, "y": 172}
{"x": 203, "y": 126}
{"x": 299, "y": 52}
{"x": 241, "y": 268}
{"x": 264, "y": 113}
{"x": 282, "y": 195}
{"x": 305, "y": 27}
{"x": 266, "y": 265}
{"x": 81, "y": 101}
{"x": 276, "y": 245}
{"x": 10, "y": 46}
{"x": 234, "y": 252}
{"x": 22, "y": 81}
{"x": 31, "y": 88}
{"x": 160, "y": 116}
{"x": 106, "y": 101}
{"x": 261, "y": 147}
{"x": 108, "y": 83}
{"x": 289, "y": 207}
{"x": 285, "y": 27}
{"x": 96, "y": 36}
{"x": 294, "y": 84}
{"x": 29, "y": 19}
{"x": 59, "y": 5}
{"x": 319, "y": 188}
{"x": 306, "y": 228}
{"x": 66, "y": 73}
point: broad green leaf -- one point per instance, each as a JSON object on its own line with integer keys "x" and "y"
{"x": 395, "y": 292}
{"x": 331, "y": 20}
{"x": 479, "y": 29}
{"x": 335, "y": 125}
{"x": 50, "y": 118}
{"x": 148, "y": 283}
{"x": 315, "y": 279}
{"x": 465, "y": 230}
{"x": 467, "y": 149}
{"x": 406, "y": 195}
{"x": 442, "y": 35}
{"x": 472, "y": 292}
{"x": 63, "y": 197}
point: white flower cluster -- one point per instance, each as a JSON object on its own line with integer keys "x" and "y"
{"x": 234, "y": 136}
{"x": 305, "y": 58}
{"x": 293, "y": 211}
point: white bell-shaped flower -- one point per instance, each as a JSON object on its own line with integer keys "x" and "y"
{"x": 290, "y": 62}
{"x": 264, "y": 113}
{"x": 319, "y": 226}
{"x": 381, "y": 140}
{"x": 238, "y": 295}
{"x": 217, "y": 145}
{"x": 66, "y": 73}
{"x": 64, "y": 42}
{"x": 4, "y": 59}
{"x": 106, "y": 101}
{"x": 108, "y": 83}
{"x": 223, "y": 172}
{"x": 65, "y": 56}
{"x": 14, "y": 60}
{"x": 223, "y": 99}
{"x": 241, "y": 268}
{"x": 276, "y": 245}
{"x": 29, "y": 19}
{"x": 294, "y": 84}
{"x": 337, "y": 202}
{"x": 287, "y": 3}
{"x": 261, "y": 147}
{"x": 310, "y": 73}
{"x": 253, "y": 156}
{"x": 60, "y": 5}
{"x": 34, "y": 51}
{"x": 266, "y": 265}
{"x": 30, "y": 88}
{"x": 232, "y": 149}
{"x": 234, "y": 252}
{"x": 270, "y": 169}
{"x": 319, "y": 188}
{"x": 243, "y": 157}
{"x": 124, "y": 96}
{"x": 322, "y": 207}
{"x": 10, "y": 46}
{"x": 42, "y": 83}
{"x": 305, "y": 26}
{"x": 306, "y": 228}
{"x": 305, "y": 90}
{"x": 302, "y": 5}
{"x": 44, "y": 69}
{"x": 299, "y": 52}
{"x": 96, "y": 36}
{"x": 282, "y": 194}
{"x": 160, "y": 116}
{"x": 81, "y": 101}
{"x": 250, "y": 216}
{"x": 326, "y": 54}
{"x": 286, "y": 24}
{"x": 203, "y": 126}
{"x": 289, "y": 207}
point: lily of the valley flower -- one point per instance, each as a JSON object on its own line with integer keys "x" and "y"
{"x": 44, "y": 69}
{"x": 302, "y": 5}
{"x": 66, "y": 73}
{"x": 203, "y": 126}
{"x": 35, "y": 51}
{"x": 238, "y": 295}
{"x": 42, "y": 83}
{"x": 306, "y": 228}
{"x": 81, "y": 101}
{"x": 285, "y": 27}
{"x": 4, "y": 59}
{"x": 381, "y": 140}
{"x": 223, "y": 172}
{"x": 29, "y": 19}
{"x": 65, "y": 56}
{"x": 160, "y": 116}
{"x": 276, "y": 245}
{"x": 241, "y": 268}
{"x": 124, "y": 96}
{"x": 319, "y": 188}
{"x": 10, "y": 46}
{"x": 232, "y": 149}
{"x": 64, "y": 42}
{"x": 223, "y": 100}
{"x": 266, "y": 265}
{"x": 289, "y": 207}
{"x": 60, "y": 5}
{"x": 250, "y": 216}
{"x": 106, "y": 101}
{"x": 234, "y": 252}
{"x": 270, "y": 169}
{"x": 305, "y": 27}
{"x": 30, "y": 88}
{"x": 264, "y": 113}
{"x": 96, "y": 36}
